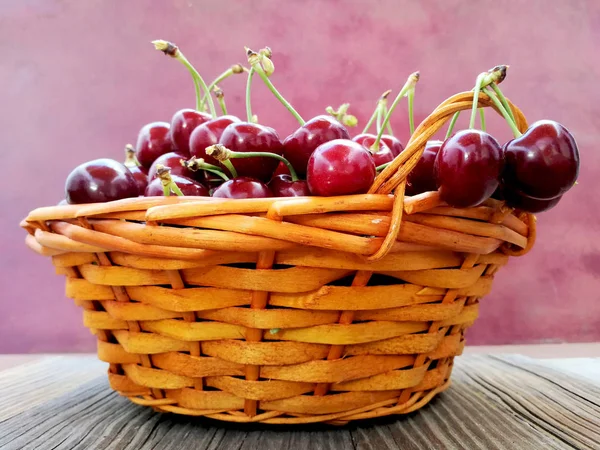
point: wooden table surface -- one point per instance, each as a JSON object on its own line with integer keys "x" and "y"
{"x": 495, "y": 402}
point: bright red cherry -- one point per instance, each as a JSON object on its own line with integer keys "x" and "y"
{"x": 283, "y": 186}
{"x": 183, "y": 123}
{"x": 393, "y": 143}
{"x": 208, "y": 134}
{"x": 298, "y": 146}
{"x": 520, "y": 201}
{"x": 188, "y": 187}
{"x": 544, "y": 162}
{"x": 421, "y": 178}
{"x": 173, "y": 160}
{"x": 381, "y": 156}
{"x": 251, "y": 137}
{"x": 98, "y": 181}
{"x": 340, "y": 167}
{"x": 242, "y": 187}
{"x": 153, "y": 140}
{"x": 467, "y": 168}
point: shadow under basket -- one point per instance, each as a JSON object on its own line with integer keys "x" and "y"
{"x": 284, "y": 310}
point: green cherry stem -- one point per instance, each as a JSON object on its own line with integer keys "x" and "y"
{"x": 452, "y": 123}
{"x": 224, "y": 155}
{"x": 410, "y": 84}
{"x": 503, "y": 111}
{"x": 389, "y": 125}
{"x": 254, "y": 60}
{"x": 476, "y": 91}
{"x": 235, "y": 69}
{"x": 503, "y": 100}
{"x": 381, "y": 167}
{"x": 411, "y": 117}
{"x": 369, "y": 124}
{"x": 249, "y": 95}
{"x": 130, "y": 158}
{"x": 194, "y": 164}
{"x": 229, "y": 167}
{"x": 379, "y": 120}
{"x": 164, "y": 174}
{"x": 482, "y": 118}
{"x": 170, "y": 49}
{"x": 221, "y": 99}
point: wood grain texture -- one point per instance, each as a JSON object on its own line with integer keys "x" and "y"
{"x": 495, "y": 402}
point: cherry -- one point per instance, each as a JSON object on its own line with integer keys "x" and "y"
{"x": 520, "y": 201}
{"x": 284, "y": 186}
{"x": 421, "y": 178}
{"x": 543, "y": 163}
{"x": 208, "y": 134}
{"x": 140, "y": 173}
{"x": 281, "y": 170}
{"x": 173, "y": 160}
{"x": 183, "y": 123}
{"x": 153, "y": 140}
{"x": 242, "y": 187}
{"x": 298, "y": 146}
{"x": 393, "y": 143}
{"x": 467, "y": 168}
{"x": 188, "y": 187}
{"x": 340, "y": 167}
{"x": 98, "y": 181}
{"x": 251, "y": 137}
{"x": 381, "y": 156}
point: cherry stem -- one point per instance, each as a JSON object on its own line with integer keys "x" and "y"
{"x": 503, "y": 111}
{"x": 482, "y": 118}
{"x": 200, "y": 80}
{"x": 164, "y": 173}
{"x": 230, "y": 167}
{"x": 221, "y": 99}
{"x": 411, "y": 117}
{"x": 379, "y": 117}
{"x": 194, "y": 164}
{"x": 235, "y": 69}
{"x": 130, "y": 159}
{"x": 261, "y": 73}
{"x": 389, "y": 125}
{"x": 223, "y": 154}
{"x": 381, "y": 167}
{"x": 249, "y": 94}
{"x": 383, "y": 97}
{"x": 452, "y": 123}
{"x": 476, "y": 91}
{"x": 503, "y": 100}
{"x": 408, "y": 86}
{"x": 217, "y": 172}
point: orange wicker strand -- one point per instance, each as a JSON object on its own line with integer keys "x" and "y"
{"x": 284, "y": 311}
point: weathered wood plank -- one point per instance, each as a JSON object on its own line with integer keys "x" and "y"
{"x": 503, "y": 402}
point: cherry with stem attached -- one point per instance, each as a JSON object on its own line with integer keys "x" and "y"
{"x": 167, "y": 184}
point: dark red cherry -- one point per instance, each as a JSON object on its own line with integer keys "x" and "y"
{"x": 153, "y": 140}
{"x": 283, "y": 186}
{"x": 298, "y": 146}
{"x": 242, "y": 187}
{"x": 393, "y": 143}
{"x": 188, "y": 187}
{"x": 98, "y": 181}
{"x": 173, "y": 160}
{"x": 282, "y": 169}
{"x": 544, "y": 162}
{"x": 208, "y": 134}
{"x": 141, "y": 177}
{"x": 251, "y": 137}
{"x": 183, "y": 123}
{"x": 467, "y": 168}
{"x": 523, "y": 202}
{"x": 381, "y": 156}
{"x": 340, "y": 167}
{"x": 421, "y": 178}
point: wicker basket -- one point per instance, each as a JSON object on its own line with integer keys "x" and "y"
{"x": 284, "y": 311}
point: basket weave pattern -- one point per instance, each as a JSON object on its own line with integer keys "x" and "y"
{"x": 284, "y": 310}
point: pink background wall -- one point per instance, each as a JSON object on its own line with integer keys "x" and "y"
{"x": 80, "y": 78}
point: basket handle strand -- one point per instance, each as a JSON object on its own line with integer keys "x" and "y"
{"x": 393, "y": 177}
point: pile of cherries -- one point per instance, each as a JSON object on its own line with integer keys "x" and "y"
{"x": 201, "y": 154}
